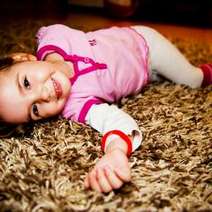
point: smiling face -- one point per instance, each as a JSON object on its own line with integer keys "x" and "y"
{"x": 33, "y": 90}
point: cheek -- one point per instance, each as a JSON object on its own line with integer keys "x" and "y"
{"x": 51, "y": 109}
{"x": 40, "y": 75}
{"x": 12, "y": 110}
{"x": 11, "y": 114}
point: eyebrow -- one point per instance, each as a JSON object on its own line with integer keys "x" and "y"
{"x": 29, "y": 118}
{"x": 18, "y": 84}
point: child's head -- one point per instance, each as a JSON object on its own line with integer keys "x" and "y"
{"x": 31, "y": 89}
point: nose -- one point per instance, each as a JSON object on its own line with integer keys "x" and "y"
{"x": 45, "y": 94}
{"x": 42, "y": 94}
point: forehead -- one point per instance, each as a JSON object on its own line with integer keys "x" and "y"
{"x": 29, "y": 66}
{"x": 13, "y": 108}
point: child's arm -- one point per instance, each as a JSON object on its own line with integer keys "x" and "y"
{"x": 112, "y": 170}
{"x": 105, "y": 118}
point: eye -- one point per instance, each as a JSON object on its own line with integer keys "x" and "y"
{"x": 26, "y": 83}
{"x": 35, "y": 110}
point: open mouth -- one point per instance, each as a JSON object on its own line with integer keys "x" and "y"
{"x": 57, "y": 88}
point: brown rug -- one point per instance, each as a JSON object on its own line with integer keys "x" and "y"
{"x": 44, "y": 169}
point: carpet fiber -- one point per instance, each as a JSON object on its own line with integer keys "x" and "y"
{"x": 44, "y": 168}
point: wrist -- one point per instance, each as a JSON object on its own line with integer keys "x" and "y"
{"x": 121, "y": 141}
{"x": 117, "y": 144}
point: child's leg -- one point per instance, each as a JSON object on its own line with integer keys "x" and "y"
{"x": 167, "y": 60}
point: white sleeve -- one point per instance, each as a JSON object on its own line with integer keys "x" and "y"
{"x": 104, "y": 118}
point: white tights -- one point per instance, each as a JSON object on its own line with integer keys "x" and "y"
{"x": 167, "y": 60}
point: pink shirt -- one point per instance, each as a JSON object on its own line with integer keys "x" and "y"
{"x": 109, "y": 64}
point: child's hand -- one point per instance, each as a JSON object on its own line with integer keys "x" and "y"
{"x": 110, "y": 172}
{"x": 21, "y": 56}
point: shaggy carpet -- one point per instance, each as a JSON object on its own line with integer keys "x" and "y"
{"x": 43, "y": 168}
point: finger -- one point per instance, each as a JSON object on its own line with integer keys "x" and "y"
{"x": 92, "y": 178}
{"x": 24, "y": 58}
{"x": 20, "y": 58}
{"x": 113, "y": 179}
{"x": 15, "y": 55}
{"x": 103, "y": 182}
{"x": 123, "y": 174}
{"x": 31, "y": 57}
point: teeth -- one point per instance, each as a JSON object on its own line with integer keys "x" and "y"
{"x": 56, "y": 88}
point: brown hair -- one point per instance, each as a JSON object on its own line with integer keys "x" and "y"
{"x": 7, "y": 130}
{"x": 6, "y": 62}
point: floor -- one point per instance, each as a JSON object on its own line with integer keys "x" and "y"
{"x": 44, "y": 169}
{"x": 93, "y": 20}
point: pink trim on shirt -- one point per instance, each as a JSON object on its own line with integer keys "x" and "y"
{"x": 49, "y": 48}
{"x": 86, "y": 108}
{"x": 74, "y": 59}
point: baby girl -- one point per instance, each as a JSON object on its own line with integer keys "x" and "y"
{"x": 81, "y": 75}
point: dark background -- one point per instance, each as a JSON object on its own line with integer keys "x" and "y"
{"x": 183, "y": 12}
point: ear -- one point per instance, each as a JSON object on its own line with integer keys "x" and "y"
{"x": 20, "y": 57}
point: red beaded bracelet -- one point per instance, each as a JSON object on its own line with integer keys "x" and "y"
{"x": 121, "y": 135}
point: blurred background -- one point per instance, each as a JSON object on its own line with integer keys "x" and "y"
{"x": 182, "y": 12}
